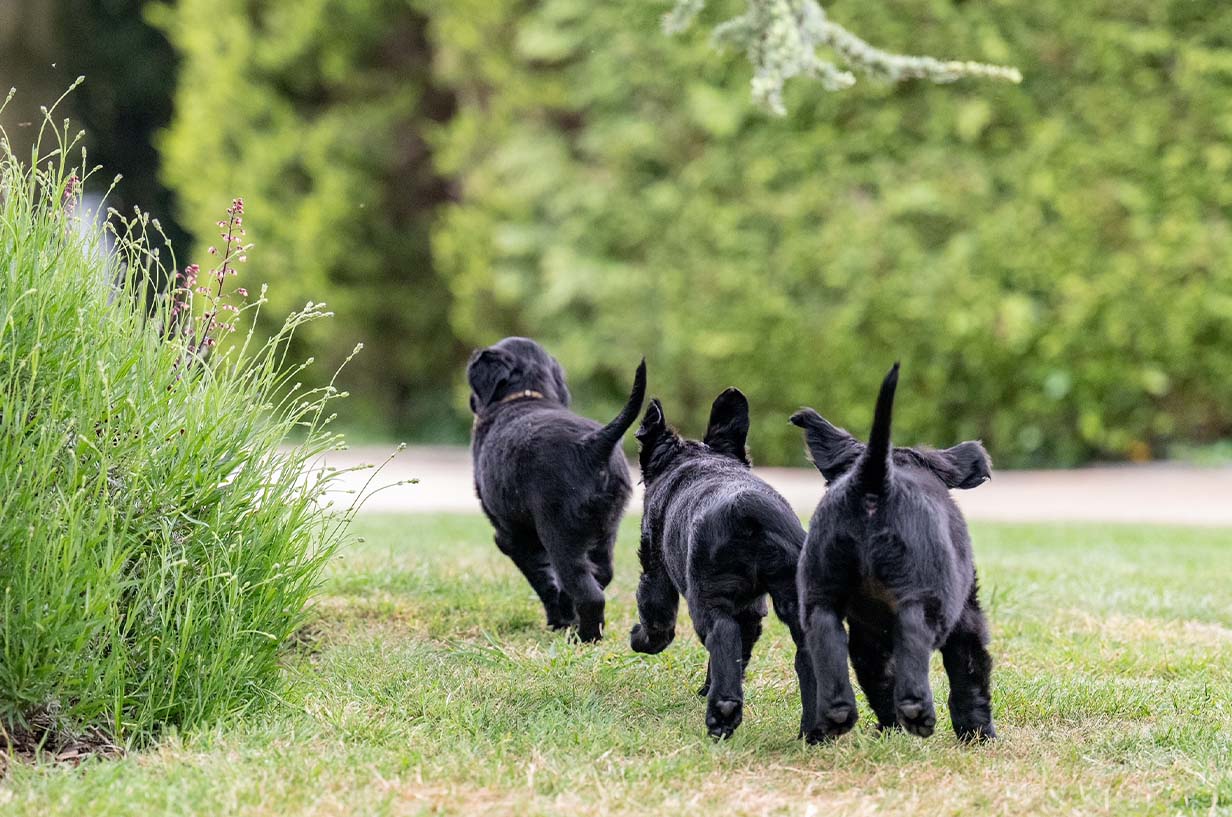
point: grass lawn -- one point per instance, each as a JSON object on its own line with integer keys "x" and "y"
{"x": 426, "y": 683}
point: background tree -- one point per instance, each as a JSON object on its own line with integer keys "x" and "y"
{"x": 130, "y": 69}
{"x": 130, "y": 73}
{"x": 318, "y": 112}
{"x": 27, "y": 53}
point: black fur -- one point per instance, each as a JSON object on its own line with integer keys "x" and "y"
{"x": 722, "y": 538}
{"x": 888, "y": 550}
{"x": 553, "y": 484}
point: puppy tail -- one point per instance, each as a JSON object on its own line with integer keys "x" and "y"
{"x": 603, "y": 440}
{"x": 874, "y": 465}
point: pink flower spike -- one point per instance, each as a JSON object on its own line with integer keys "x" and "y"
{"x": 243, "y": 293}
{"x": 212, "y": 251}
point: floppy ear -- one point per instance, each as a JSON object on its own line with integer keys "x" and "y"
{"x": 487, "y": 374}
{"x": 966, "y": 465}
{"x": 558, "y": 382}
{"x": 729, "y": 425}
{"x": 831, "y": 449}
{"x": 653, "y": 423}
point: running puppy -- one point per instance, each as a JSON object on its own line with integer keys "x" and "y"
{"x": 553, "y": 484}
{"x": 722, "y": 538}
{"x": 889, "y": 551}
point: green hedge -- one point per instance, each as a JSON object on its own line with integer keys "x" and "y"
{"x": 1051, "y": 262}
{"x": 317, "y": 111}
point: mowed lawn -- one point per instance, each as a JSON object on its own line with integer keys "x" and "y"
{"x": 426, "y": 683}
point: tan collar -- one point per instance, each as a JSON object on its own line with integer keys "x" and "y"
{"x": 525, "y": 394}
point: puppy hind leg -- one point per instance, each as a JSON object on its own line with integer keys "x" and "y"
{"x": 528, "y": 554}
{"x": 725, "y": 700}
{"x": 835, "y": 702}
{"x": 787, "y": 608}
{"x": 913, "y": 697}
{"x": 749, "y": 621}
{"x": 969, "y": 668}
{"x": 601, "y": 557}
{"x": 871, "y": 657}
{"x": 587, "y": 598}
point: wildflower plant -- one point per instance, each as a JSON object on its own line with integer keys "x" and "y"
{"x": 200, "y": 330}
{"x": 164, "y": 518}
{"x": 781, "y": 38}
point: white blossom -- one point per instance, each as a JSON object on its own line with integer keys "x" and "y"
{"x": 781, "y": 38}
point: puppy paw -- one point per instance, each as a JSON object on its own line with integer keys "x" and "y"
{"x": 723, "y": 716}
{"x": 916, "y": 715}
{"x": 590, "y": 635}
{"x": 645, "y": 640}
{"x": 836, "y": 720}
{"x": 975, "y": 732}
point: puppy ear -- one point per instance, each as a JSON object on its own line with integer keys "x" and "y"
{"x": 729, "y": 425}
{"x": 831, "y": 449}
{"x": 966, "y": 465}
{"x": 488, "y": 373}
{"x": 558, "y": 382}
{"x": 653, "y": 423}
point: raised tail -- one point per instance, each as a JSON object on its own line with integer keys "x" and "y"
{"x": 603, "y": 440}
{"x": 874, "y": 463}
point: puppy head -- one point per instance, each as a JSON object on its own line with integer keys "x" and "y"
{"x": 966, "y": 465}
{"x": 514, "y": 365}
{"x": 729, "y": 425}
{"x": 831, "y": 449}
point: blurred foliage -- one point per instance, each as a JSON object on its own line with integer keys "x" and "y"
{"x": 130, "y": 73}
{"x": 316, "y": 112}
{"x": 1052, "y": 262}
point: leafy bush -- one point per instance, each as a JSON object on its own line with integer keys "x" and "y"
{"x": 158, "y": 538}
{"x": 1052, "y": 262}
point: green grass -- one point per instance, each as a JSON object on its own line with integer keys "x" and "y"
{"x": 425, "y": 683}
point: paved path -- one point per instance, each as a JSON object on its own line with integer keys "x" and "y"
{"x": 1156, "y": 493}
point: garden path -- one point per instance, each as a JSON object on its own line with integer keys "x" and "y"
{"x": 1166, "y": 493}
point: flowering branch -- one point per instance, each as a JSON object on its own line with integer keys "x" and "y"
{"x": 781, "y": 38}
{"x": 204, "y": 332}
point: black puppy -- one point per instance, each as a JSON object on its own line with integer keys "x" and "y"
{"x": 889, "y": 551}
{"x": 553, "y": 484}
{"x": 721, "y": 537}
